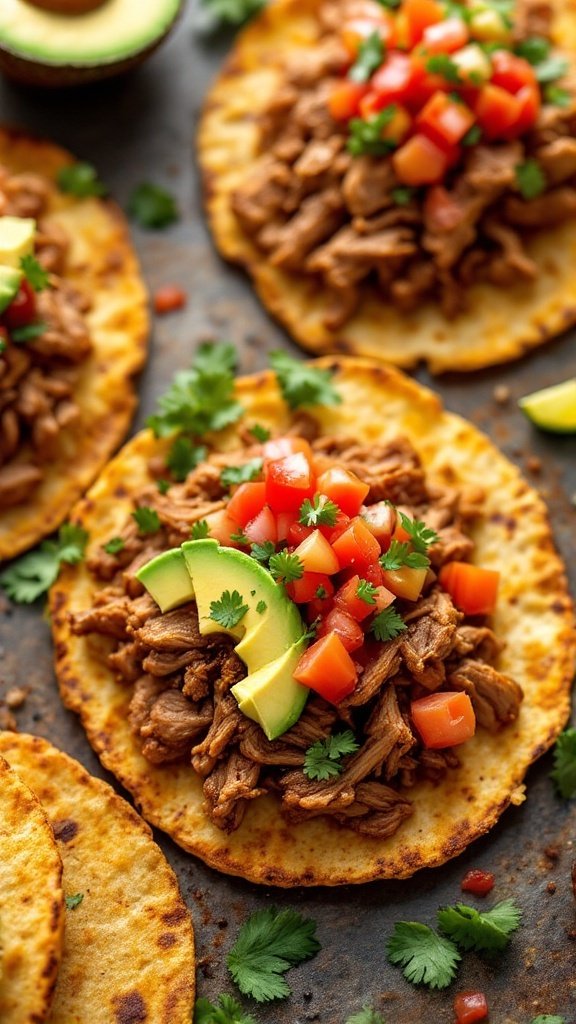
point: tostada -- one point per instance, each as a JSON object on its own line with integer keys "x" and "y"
{"x": 321, "y": 631}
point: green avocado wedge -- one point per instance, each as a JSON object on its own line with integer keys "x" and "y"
{"x": 271, "y": 696}
{"x": 167, "y": 580}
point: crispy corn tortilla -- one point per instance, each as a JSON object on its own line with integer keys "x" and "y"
{"x": 534, "y": 616}
{"x": 31, "y": 904}
{"x": 128, "y": 948}
{"x": 500, "y": 323}
{"x": 103, "y": 266}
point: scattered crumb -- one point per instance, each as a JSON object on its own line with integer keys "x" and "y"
{"x": 7, "y": 720}
{"x": 551, "y": 888}
{"x": 572, "y": 934}
{"x": 16, "y": 697}
{"x": 552, "y": 852}
{"x": 534, "y": 464}
{"x": 501, "y": 394}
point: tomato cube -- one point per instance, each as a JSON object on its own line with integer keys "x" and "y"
{"x": 497, "y": 112}
{"x": 344, "y": 488}
{"x": 288, "y": 482}
{"x": 347, "y": 599}
{"x": 480, "y": 883}
{"x": 22, "y": 309}
{"x": 511, "y": 72}
{"x": 345, "y": 627}
{"x": 419, "y": 161}
{"x": 262, "y": 527}
{"x": 280, "y": 447}
{"x": 345, "y": 99}
{"x": 246, "y": 502}
{"x": 327, "y": 668}
{"x": 392, "y": 81}
{"x": 399, "y": 124}
{"x": 306, "y": 588}
{"x": 445, "y": 37}
{"x": 470, "y": 1007}
{"x": 316, "y": 554}
{"x": 444, "y": 719}
{"x": 221, "y": 528}
{"x": 529, "y": 99}
{"x": 356, "y": 546}
{"x": 380, "y": 520}
{"x": 419, "y": 15}
{"x": 474, "y": 590}
{"x": 443, "y": 120}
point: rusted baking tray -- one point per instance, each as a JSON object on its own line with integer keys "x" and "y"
{"x": 143, "y": 129}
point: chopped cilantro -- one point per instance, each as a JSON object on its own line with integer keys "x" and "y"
{"x": 323, "y": 758}
{"x": 263, "y": 552}
{"x": 199, "y": 530}
{"x": 399, "y": 554}
{"x": 550, "y": 69}
{"x": 146, "y": 519}
{"x": 239, "y": 538}
{"x": 403, "y": 195}
{"x": 233, "y": 12}
{"x": 261, "y": 607}
{"x": 442, "y": 64}
{"x": 366, "y": 591}
{"x": 268, "y": 944}
{"x": 485, "y": 931}
{"x": 74, "y": 901}
{"x": 114, "y": 546}
{"x": 261, "y": 433}
{"x": 38, "y": 278}
{"x": 366, "y": 136}
{"x": 20, "y": 335}
{"x": 228, "y": 611}
{"x": 556, "y": 96}
{"x": 163, "y": 485}
{"x": 548, "y": 1018}
{"x": 534, "y": 49}
{"x": 426, "y": 957}
{"x": 371, "y": 53}
{"x": 529, "y": 179}
{"x": 302, "y": 384}
{"x": 321, "y": 592}
{"x": 31, "y": 575}
{"x": 152, "y": 206}
{"x": 387, "y": 625}
{"x": 241, "y": 474}
{"x": 201, "y": 398}
{"x": 286, "y": 568}
{"x": 564, "y": 771}
{"x": 472, "y": 136}
{"x": 365, "y": 1016}
{"x": 183, "y": 457}
{"x": 318, "y": 512}
{"x": 80, "y": 179}
{"x": 228, "y": 1011}
{"x": 421, "y": 535}
{"x": 391, "y": 4}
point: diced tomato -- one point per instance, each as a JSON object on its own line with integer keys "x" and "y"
{"x": 497, "y": 111}
{"x": 393, "y": 80}
{"x": 262, "y": 527}
{"x": 305, "y": 589}
{"x": 424, "y": 83}
{"x": 347, "y": 599}
{"x": 444, "y": 120}
{"x": 221, "y": 527}
{"x": 344, "y": 99}
{"x": 399, "y": 124}
{"x": 373, "y": 573}
{"x": 318, "y": 608}
{"x": 478, "y": 882}
{"x": 316, "y": 554}
{"x": 332, "y": 532}
{"x": 420, "y": 162}
{"x": 446, "y": 37}
{"x": 419, "y": 15}
{"x": 400, "y": 533}
{"x": 470, "y": 1007}
{"x": 327, "y": 668}
{"x": 22, "y": 309}
{"x": 284, "y": 520}
{"x": 288, "y": 482}
{"x": 168, "y": 298}
{"x": 345, "y": 488}
{"x": 404, "y": 582}
{"x": 280, "y": 447}
{"x": 444, "y": 719}
{"x": 344, "y": 626}
{"x": 384, "y": 598}
{"x": 380, "y": 520}
{"x": 297, "y": 532}
{"x": 474, "y": 590}
{"x": 246, "y": 502}
{"x": 511, "y": 72}
{"x": 356, "y": 546}
{"x": 530, "y": 102}
{"x": 356, "y": 30}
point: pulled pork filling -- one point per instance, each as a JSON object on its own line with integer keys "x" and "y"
{"x": 346, "y": 220}
{"x": 181, "y": 707}
{"x": 38, "y": 375}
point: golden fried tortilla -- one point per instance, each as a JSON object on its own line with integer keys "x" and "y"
{"x": 128, "y": 948}
{"x": 534, "y": 616}
{"x": 31, "y": 904}
{"x": 499, "y": 324}
{"x": 103, "y": 266}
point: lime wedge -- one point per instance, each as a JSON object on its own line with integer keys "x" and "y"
{"x": 553, "y": 408}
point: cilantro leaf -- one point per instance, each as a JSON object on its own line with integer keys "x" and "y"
{"x": 472, "y": 136}
{"x": 228, "y": 611}
{"x": 285, "y": 568}
{"x": 268, "y": 944}
{"x": 321, "y": 592}
{"x": 403, "y": 195}
{"x": 318, "y": 512}
{"x": 74, "y": 901}
{"x": 199, "y": 530}
{"x": 233, "y": 12}
{"x": 534, "y": 49}
{"x": 20, "y": 335}
{"x": 38, "y": 278}
{"x": 228, "y": 1011}
{"x": 239, "y": 537}
{"x": 261, "y": 433}
{"x": 163, "y": 486}
{"x": 80, "y": 179}
{"x": 183, "y": 457}
{"x": 485, "y": 931}
{"x": 564, "y": 771}
{"x": 302, "y": 384}
{"x": 114, "y": 545}
{"x": 322, "y": 759}
{"x": 556, "y": 96}
{"x": 391, "y": 4}
{"x": 426, "y": 957}
{"x": 442, "y": 64}
{"x": 366, "y": 135}
{"x": 547, "y": 1018}
{"x": 31, "y": 575}
{"x": 387, "y": 625}
{"x": 371, "y": 53}
{"x": 152, "y": 206}
{"x": 201, "y": 398}
{"x": 399, "y": 554}
{"x": 529, "y": 179}
{"x": 366, "y": 591}
{"x": 146, "y": 519}
{"x": 365, "y": 1016}
{"x": 261, "y": 607}
{"x": 550, "y": 69}
{"x": 241, "y": 474}
{"x": 263, "y": 552}
{"x": 421, "y": 535}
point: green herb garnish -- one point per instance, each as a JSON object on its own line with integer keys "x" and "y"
{"x": 285, "y": 568}
{"x": 387, "y": 625}
{"x": 366, "y": 136}
{"x": 152, "y": 206}
{"x": 31, "y": 575}
{"x": 81, "y": 180}
{"x": 323, "y": 758}
{"x": 371, "y": 53}
{"x": 183, "y": 457}
{"x": 38, "y": 278}
{"x": 564, "y": 771}
{"x": 228, "y": 611}
{"x": 426, "y": 957}
{"x": 199, "y": 530}
{"x": 268, "y": 944}
{"x": 529, "y": 179}
{"x": 231, "y": 475}
{"x": 302, "y": 384}
{"x": 114, "y": 546}
{"x": 200, "y": 399}
{"x": 318, "y": 512}
{"x": 146, "y": 519}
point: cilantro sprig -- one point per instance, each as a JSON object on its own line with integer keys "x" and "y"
{"x": 564, "y": 771}
{"x": 114, "y": 545}
{"x": 202, "y": 398}
{"x": 530, "y": 179}
{"x": 20, "y": 335}
{"x": 421, "y": 536}
{"x": 146, "y": 519}
{"x": 366, "y": 135}
{"x": 31, "y": 575}
{"x": 371, "y": 53}
{"x": 263, "y": 552}
{"x": 366, "y": 1016}
{"x": 81, "y": 180}
{"x": 486, "y": 931}
{"x": 259, "y": 432}
{"x": 302, "y": 384}
{"x": 442, "y": 64}
{"x": 387, "y": 625}
{"x": 199, "y": 530}
{"x": 285, "y": 567}
{"x": 548, "y": 1018}
{"x": 366, "y": 591}
{"x": 74, "y": 901}
{"x": 231, "y": 475}
{"x": 183, "y": 457}
{"x": 227, "y": 1011}
{"x": 151, "y": 206}
{"x": 323, "y": 759}
{"x": 38, "y": 278}
{"x": 425, "y": 957}
{"x": 399, "y": 555}
{"x": 320, "y": 511}
{"x": 229, "y": 609}
{"x": 268, "y": 944}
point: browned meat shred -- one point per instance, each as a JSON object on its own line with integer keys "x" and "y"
{"x": 38, "y": 378}
{"x": 181, "y": 706}
{"x": 317, "y": 211}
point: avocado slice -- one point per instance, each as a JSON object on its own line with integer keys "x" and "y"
{"x": 167, "y": 579}
{"x": 16, "y": 240}
{"x": 271, "y": 696}
{"x": 10, "y": 280}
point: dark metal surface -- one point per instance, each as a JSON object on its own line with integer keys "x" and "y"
{"x": 142, "y": 129}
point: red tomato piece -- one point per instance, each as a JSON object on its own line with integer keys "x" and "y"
{"x": 262, "y": 527}
{"x": 168, "y": 298}
{"x": 344, "y": 626}
{"x": 288, "y": 482}
{"x": 470, "y": 1007}
{"x": 420, "y": 162}
{"x": 246, "y": 502}
{"x": 380, "y": 520}
{"x": 530, "y": 102}
{"x": 446, "y": 37}
{"x": 356, "y": 30}
{"x": 347, "y": 599}
{"x": 474, "y": 590}
{"x": 316, "y": 554}
{"x": 332, "y": 532}
{"x": 497, "y": 111}
{"x": 373, "y": 573}
{"x": 393, "y": 80}
{"x": 318, "y": 608}
{"x": 280, "y": 447}
{"x": 345, "y": 488}
{"x": 356, "y": 546}
{"x": 384, "y": 598}
{"x": 297, "y": 532}
{"x": 424, "y": 83}
{"x": 480, "y": 883}
{"x": 305, "y": 589}
{"x": 327, "y": 668}
{"x": 221, "y": 527}
{"x": 444, "y": 719}
{"x": 419, "y": 15}
{"x": 443, "y": 120}
{"x": 22, "y": 309}
{"x": 511, "y": 72}
{"x": 344, "y": 100}
{"x": 284, "y": 520}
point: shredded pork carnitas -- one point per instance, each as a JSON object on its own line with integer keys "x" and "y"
{"x": 38, "y": 376}
{"x": 315, "y": 209}
{"x": 181, "y": 707}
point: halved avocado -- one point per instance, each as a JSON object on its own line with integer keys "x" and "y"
{"x": 43, "y": 47}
